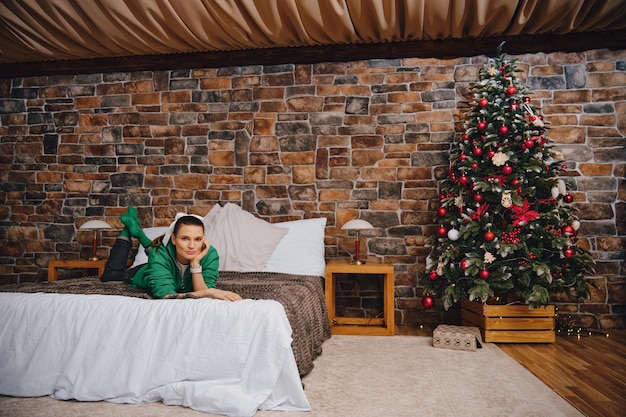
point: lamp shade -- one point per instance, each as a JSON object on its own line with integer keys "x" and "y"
{"x": 94, "y": 225}
{"x": 357, "y": 224}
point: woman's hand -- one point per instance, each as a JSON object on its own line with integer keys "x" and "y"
{"x": 207, "y": 293}
{"x": 223, "y": 295}
{"x": 178, "y": 296}
{"x": 195, "y": 262}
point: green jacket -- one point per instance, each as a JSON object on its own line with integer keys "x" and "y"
{"x": 162, "y": 277}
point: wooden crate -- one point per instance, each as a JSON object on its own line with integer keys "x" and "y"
{"x": 510, "y": 323}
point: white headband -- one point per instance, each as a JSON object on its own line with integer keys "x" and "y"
{"x": 170, "y": 230}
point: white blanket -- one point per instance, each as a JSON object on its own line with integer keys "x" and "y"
{"x": 210, "y": 355}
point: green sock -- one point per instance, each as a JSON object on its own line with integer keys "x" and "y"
{"x": 133, "y": 212}
{"x": 131, "y": 221}
{"x": 143, "y": 239}
{"x": 125, "y": 232}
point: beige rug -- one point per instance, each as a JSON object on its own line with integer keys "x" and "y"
{"x": 374, "y": 376}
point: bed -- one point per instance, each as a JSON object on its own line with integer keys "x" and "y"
{"x": 87, "y": 340}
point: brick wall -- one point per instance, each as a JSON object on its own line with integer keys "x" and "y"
{"x": 342, "y": 140}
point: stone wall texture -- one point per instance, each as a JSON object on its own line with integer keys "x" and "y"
{"x": 342, "y": 140}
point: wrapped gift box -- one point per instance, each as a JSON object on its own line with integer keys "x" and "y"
{"x": 447, "y": 336}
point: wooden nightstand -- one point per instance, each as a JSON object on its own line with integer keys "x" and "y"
{"x": 86, "y": 264}
{"x": 361, "y": 325}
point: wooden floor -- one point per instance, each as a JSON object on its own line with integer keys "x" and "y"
{"x": 589, "y": 372}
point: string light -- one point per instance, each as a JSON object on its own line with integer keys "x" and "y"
{"x": 568, "y": 326}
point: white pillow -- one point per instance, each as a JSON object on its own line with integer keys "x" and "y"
{"x": 301, "y": 251}
{"x": 152, "y": 232}
{"x": 243, "y": 242}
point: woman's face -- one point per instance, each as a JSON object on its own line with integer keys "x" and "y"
{"x": 188, "y": 242}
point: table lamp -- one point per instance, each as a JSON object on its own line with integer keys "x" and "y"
{"x": 357, "y": 225}
{"x": 94, "y": 225}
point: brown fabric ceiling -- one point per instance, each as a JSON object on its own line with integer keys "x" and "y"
{"x": 44, "y": 30}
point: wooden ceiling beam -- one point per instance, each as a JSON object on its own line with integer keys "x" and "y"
{"x": 448, "y": 48}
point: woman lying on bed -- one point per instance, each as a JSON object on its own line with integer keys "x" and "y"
{"x": 180, "y": 264}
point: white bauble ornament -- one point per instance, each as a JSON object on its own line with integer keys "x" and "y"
{"x": 555, "y": 192}
{"x": 576, "y": 225}
{"x": 453, "y": 234}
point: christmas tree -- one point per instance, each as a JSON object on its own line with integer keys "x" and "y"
{"x": 506, "y": 226}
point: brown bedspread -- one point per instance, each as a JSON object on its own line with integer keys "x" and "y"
{"x": 89, "y": 285}
{"x": 301, "y": 296}
{"x": 304, "y": 302}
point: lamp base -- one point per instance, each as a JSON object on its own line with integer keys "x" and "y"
{"x": 94, "y": 258}
{"x": 357, "y": 262}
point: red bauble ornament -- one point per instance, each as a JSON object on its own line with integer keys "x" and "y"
{"x": 428, "y": 302}
{"x": 474, "y": 165}
{"x": 441, "y": 232}
{"x": 511, "y": 90}
{"x": 514, "y": 106}
{"x": 432, "y": 275}
{"x": 504, "y": 130}
{"x": 481, "y": 125}
{"x": 569, "y": 252}
{"x": 526, "y": 99}
{"x": 489, "y": 236}
{"x": 462, "y": 157}
{"x": 515, "y": 182}
{"x": 463, "y": 179}
{"x": 483, "y": 102}
{"x": 484, "y": 274}
{"x": 442, "y": 211}
{"x": 490, "y": 154}
{"x": 464, "y": 137}
{"x": 529, "y": 143}
{"x": 568, "y": 230}
{"x": 507, "y": 170}
{"x": 568, "y": 198}
{"x": 463, "y": 264}
{"x": 477, "y": 151}
{"x": 478, "y": 198}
